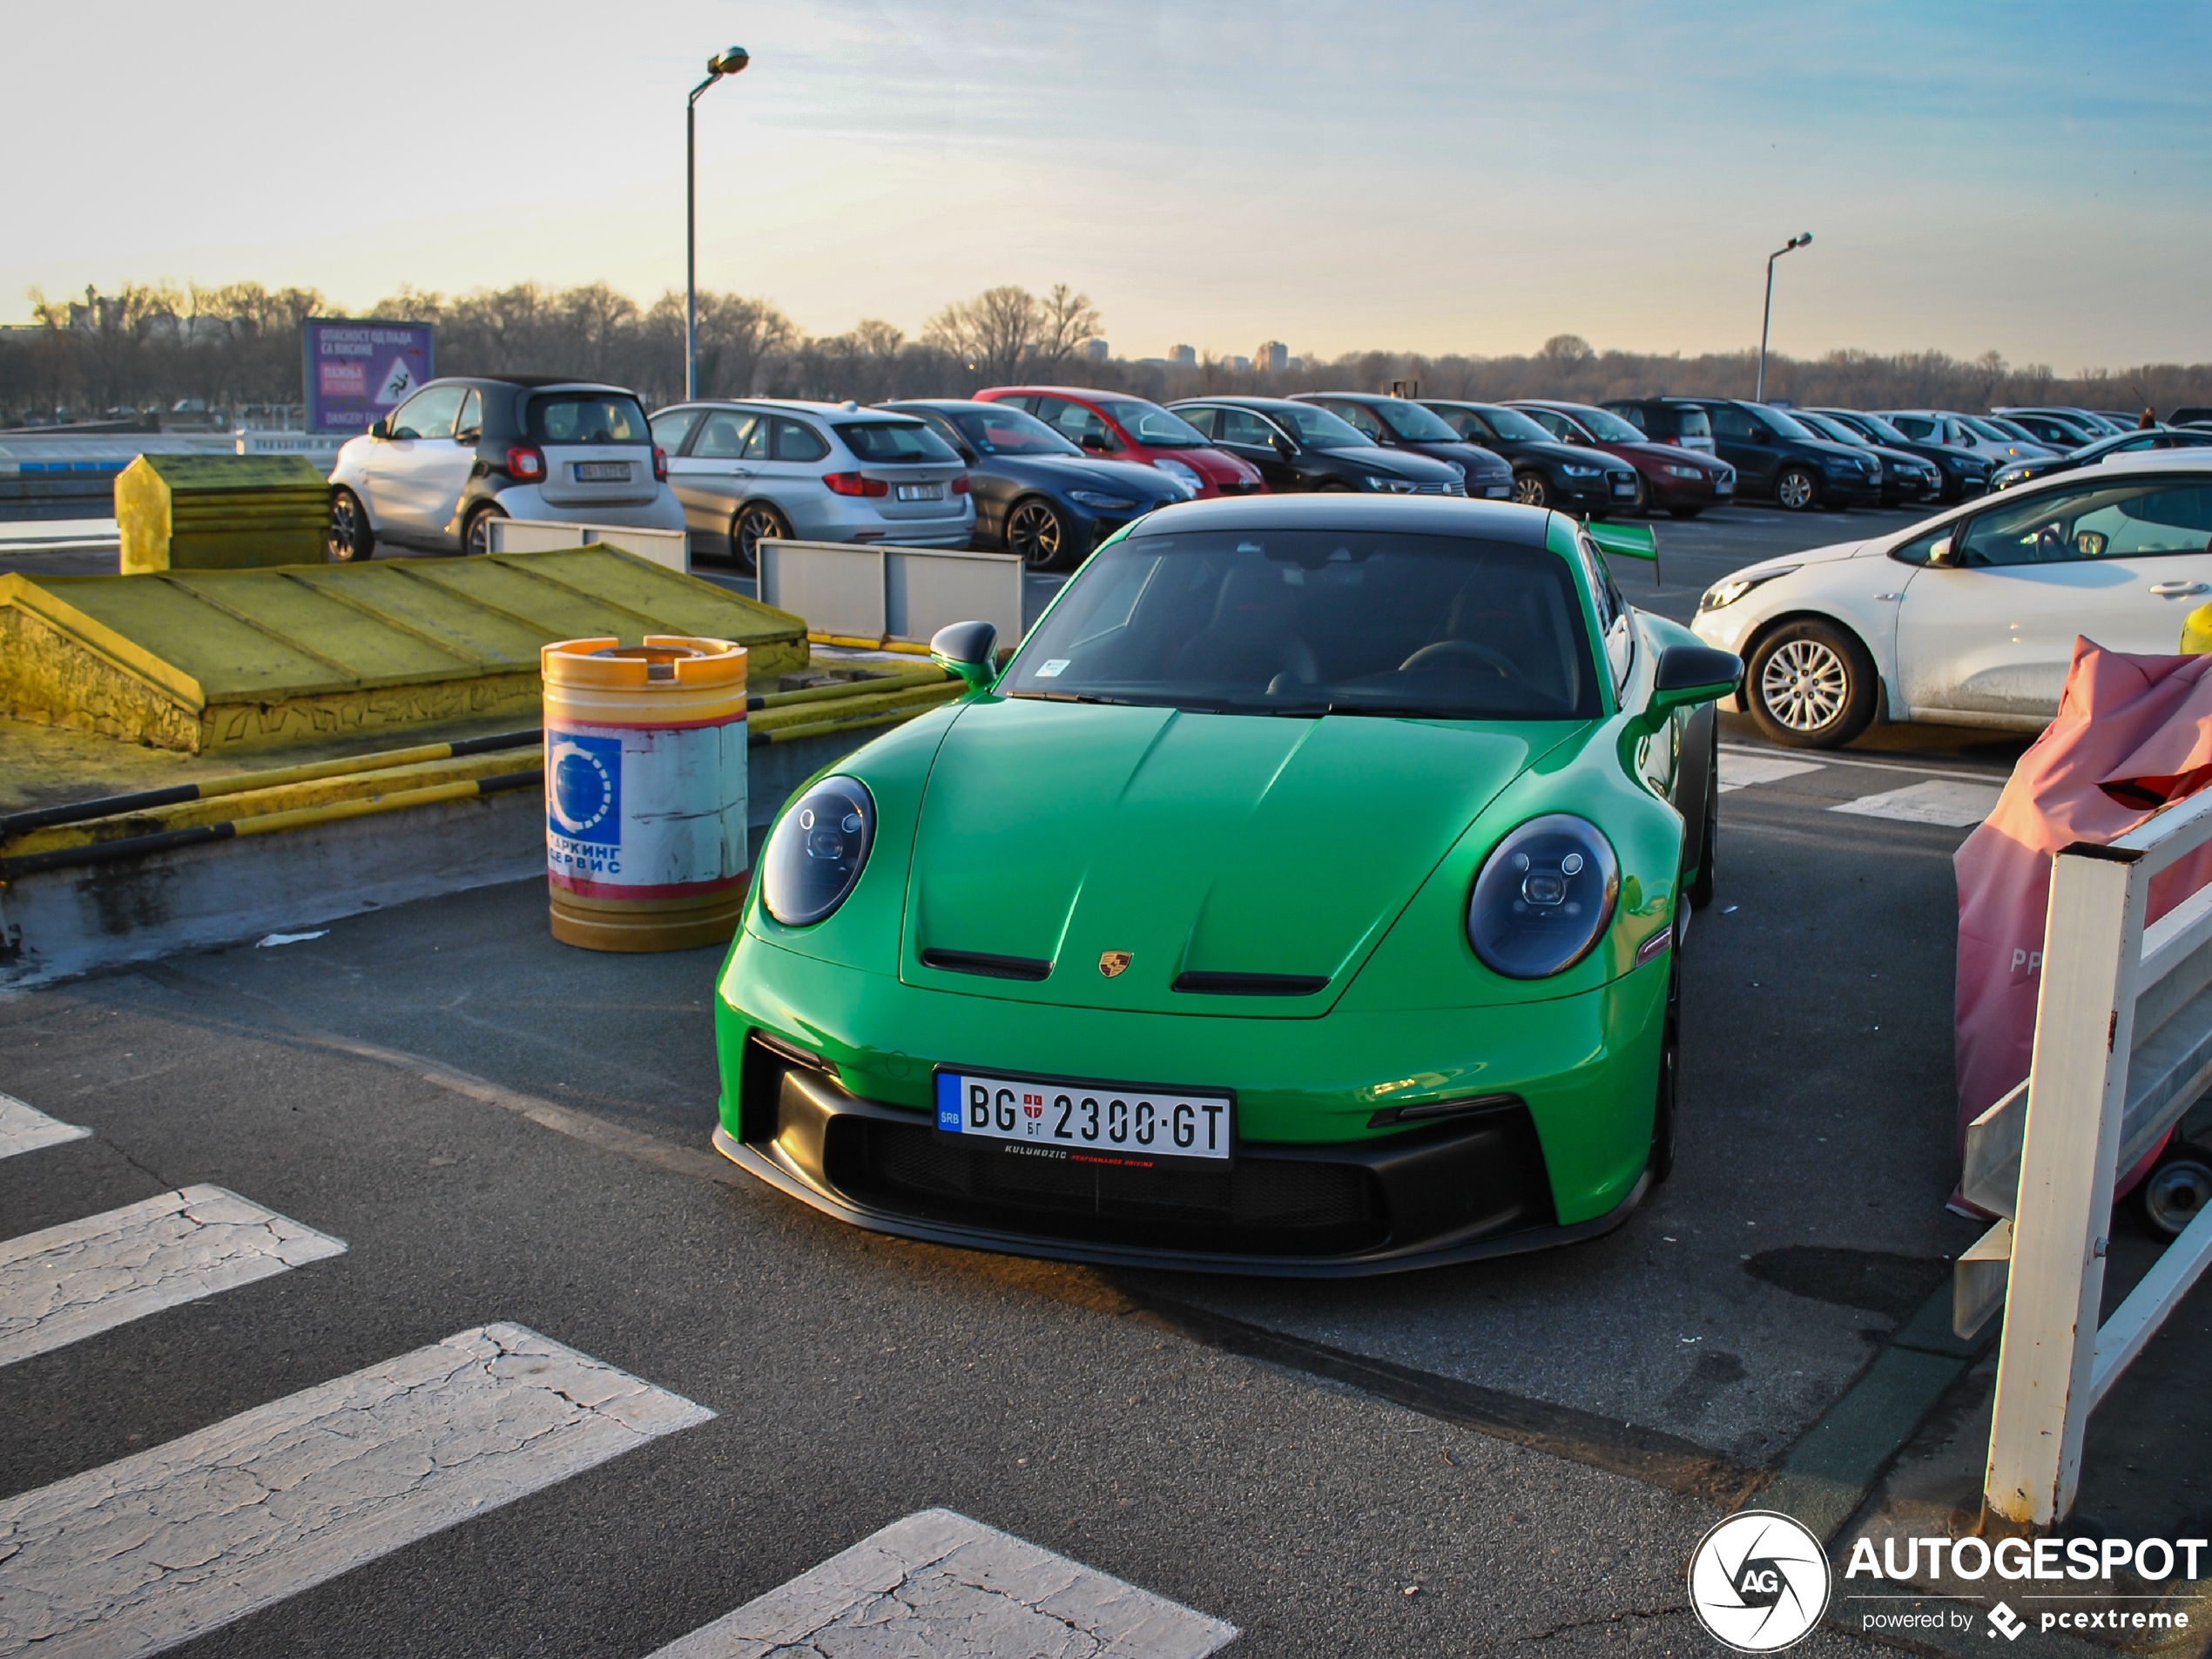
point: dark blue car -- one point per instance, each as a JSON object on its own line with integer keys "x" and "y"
{"x": 1035, "y": 493}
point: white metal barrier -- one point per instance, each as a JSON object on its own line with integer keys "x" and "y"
{"x": 872, "y": 592}
{"x": 670, "y": 548}
{"x": 2123, "y": 1048}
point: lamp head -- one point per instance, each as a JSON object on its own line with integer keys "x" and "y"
{"x": 1801, "y": 239}
{"x": 731, "y": 61}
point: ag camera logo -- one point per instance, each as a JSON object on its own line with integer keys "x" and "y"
{"x": 1758, "y": 1581}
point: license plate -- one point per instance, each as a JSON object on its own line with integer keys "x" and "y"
{"x": 1499, "y": 492}
{"x": 603, "y": 472}
{"x": 1624, "y": 489}
{"x": 1087, "y": 1123}
{"x": 921, "y": 492}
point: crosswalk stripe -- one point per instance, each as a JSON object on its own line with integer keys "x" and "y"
{"x": 161, "y": 1546}
{"x": 1937, "y": 801}
{"x": 73, "y": 1281}
{"x": 25, "y": 1128}
{"x": 938, "y": 1582}
{"x": 1738, "y": 768}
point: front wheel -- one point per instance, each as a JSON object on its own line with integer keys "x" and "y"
{"x": 1035, "y": 530}
{"x": 350, "y": 538}
{"x": 1530, "y": 490}
{"x": 1797, "y": 490}
{"x": 1811, "y": 684}
{"x": 475, "y": 530}
{"x": 756, "y": 521}
{"x": 2174, "y": 1193}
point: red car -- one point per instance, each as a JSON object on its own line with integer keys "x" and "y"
{"x": 1130, "y": 429}
{"x": 1682, "y": 482}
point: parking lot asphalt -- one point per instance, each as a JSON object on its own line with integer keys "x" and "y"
{"x": 501, "y": 1128}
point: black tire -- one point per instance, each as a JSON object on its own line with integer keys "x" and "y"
{"x": 1666, "y": 1112}
{"x": 1796, "y": 489}
{"x": 475, "y": 530}
{"x": 2176, "y": 1189}
{"x": 1683, "y": 512}
{"x": 1811, "y": 685}
{"x": 1643, "y": 508}
{"x": 350, "y": 539}
{"x": 1037, "y": 531}
{"x": 756, "y": 522}
{"x": 1700, "y": 892}
{"x": 1532, "y": 489}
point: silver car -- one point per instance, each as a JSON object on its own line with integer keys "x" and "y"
{"x": 819, "y": 472}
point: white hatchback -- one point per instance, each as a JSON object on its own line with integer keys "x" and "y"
{"x": 1969, "y": 618}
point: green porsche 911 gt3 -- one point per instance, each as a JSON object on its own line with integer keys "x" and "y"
{"x": 1303, "y": 897}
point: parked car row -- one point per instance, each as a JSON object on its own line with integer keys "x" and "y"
{"x": 1049, "y": 471}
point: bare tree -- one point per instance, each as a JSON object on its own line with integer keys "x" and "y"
{"x": 990, "y": 335}
{"x": 1065, "y": 321}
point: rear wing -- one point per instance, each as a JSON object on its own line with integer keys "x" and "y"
{"x": 1630, "y": 541}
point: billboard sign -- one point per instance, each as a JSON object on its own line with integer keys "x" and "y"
{"x": 360, "y": 371}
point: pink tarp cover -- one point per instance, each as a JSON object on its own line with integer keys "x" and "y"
{"x": 2132, "y": 734}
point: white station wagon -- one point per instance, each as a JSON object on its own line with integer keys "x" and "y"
{"x": 1969, "y": 618}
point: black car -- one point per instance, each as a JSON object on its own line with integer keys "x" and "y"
{"x": 1401, "y": 423}
{"x": 1906, "y": 479}
{"x": 1297, "y": 446}
{"x": 1775, "y": 454}
{"x": 1963, "y": 475}
{"x": 1546, "y": 473}
{"x": 1035, "y": 493}
{"x": 2088, "y": 454}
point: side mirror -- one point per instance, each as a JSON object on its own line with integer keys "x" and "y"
{"x": 1283, "y": 447}
{"x": 1943, "y": 554}
{"x": 1760, "y": 435}
{"x": 1691, "y": 674}
{"x": 380, "y": 428}
{"x": 1097, "y": 442}
{"x": 964, "y": 648}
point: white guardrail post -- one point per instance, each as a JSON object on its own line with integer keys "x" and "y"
{"x": 2123, "y": 1048}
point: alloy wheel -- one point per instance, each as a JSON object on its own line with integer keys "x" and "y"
{"x": 1033, "y": 531}
{"x": 475, "y": 537}
{"x": 2174, "y": 1193}
{"x": 1804, "y": 685}
{"x": 1528, "y": 489}
{"x": 1796, "y": 491}
{"x": 346, "y": 542}
{"x": 755, "y": 525}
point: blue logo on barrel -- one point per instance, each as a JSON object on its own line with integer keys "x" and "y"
{"x": 583, "y": 787}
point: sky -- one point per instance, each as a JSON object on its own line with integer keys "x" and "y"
{"x": 2028, "y": 179}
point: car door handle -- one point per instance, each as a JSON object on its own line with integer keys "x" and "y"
{"x": 2177, "y": 590}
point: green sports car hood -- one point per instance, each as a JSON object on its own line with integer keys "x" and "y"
{"x": 1196, "y": 844}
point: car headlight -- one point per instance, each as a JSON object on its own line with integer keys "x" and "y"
{"x": 1683, "y": 472}
{"x": 1574, "y": 471}
{"x": 1725, "y": 593}
{"x": 1395, "y": 486}
{"x": 1098, "y": 502}
{"x": 1544, "y": 898}
{"x": 1189, "y": 480}
{"x": 817, "y": 851}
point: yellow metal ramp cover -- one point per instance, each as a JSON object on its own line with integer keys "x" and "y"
{"x": 202, "y": 659}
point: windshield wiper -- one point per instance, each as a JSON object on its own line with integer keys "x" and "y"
{"x": 1079, "y": 697}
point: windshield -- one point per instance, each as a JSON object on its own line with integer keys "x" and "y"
{"x": 1824, "y": 428}
{"x": 1876, "y": 428}
{"x": 1313, "y": 622}
{"x": 1152, "y": 426}
{"x": 1513, "y": 424}
{"x": 894, "y": 441}
{"x": 1603, "y": 425}
{"x": 589, "y": 417}
{"x": 1001, "y": 430}
{"x": 1412, "y": 422}
{"x": 1989, "y": 430}
{"x": 1785, "y": 423}
{"x": 1317, "y": 428}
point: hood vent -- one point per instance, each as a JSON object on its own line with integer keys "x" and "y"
{"x": 976, "y": 962}
{"x": 1252, "y": 984}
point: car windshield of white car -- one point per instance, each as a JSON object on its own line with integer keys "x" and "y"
{"x": 1308, "y": 623}
{"x": 998, "y": 430}
{"x": 895, "y": 442}
{"x": 588, "y": 417}
{"x": 1152, "y": 426}
{"x": 2114, "y": 520}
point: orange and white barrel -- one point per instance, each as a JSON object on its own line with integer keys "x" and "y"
{"x": 646, "y": 844}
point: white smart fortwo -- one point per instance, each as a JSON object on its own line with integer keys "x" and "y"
{"x": 1969, "y": 618}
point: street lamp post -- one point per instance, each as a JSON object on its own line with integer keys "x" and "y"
{"x": 1766, "y": 319}
{"x": 729, "y": 61}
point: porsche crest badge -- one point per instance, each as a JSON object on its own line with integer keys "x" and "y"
{"x": 1113, "y": 963}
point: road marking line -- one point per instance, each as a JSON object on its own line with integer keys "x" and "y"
{"x": 74, "y": 1281}
{"x": 938, "y": 1582}
{"x": 1880, "y": 765}
{"x": 1937, "y": 801}
{"x": 25, "y": 1128}
{"x": 1740, "y": 768}
{"x": 164, "y": 1546}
